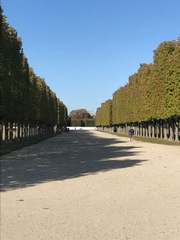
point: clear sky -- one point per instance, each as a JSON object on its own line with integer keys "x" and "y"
{"x": 86, "y": 49}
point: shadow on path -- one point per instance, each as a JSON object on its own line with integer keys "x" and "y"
{"x": 65, "y": 156}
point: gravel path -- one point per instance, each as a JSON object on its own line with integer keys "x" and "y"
{"x": 91, "y": 185}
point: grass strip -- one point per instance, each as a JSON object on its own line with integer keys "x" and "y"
{"x": 149, "y": 139}
{"x": 19, "y": 144}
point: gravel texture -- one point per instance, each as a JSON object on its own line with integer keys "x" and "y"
{"x": 91, "y": 185}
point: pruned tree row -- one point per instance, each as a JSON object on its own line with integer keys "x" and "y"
{"x": 28, "y": 105}
{"x": 150, "y": 101}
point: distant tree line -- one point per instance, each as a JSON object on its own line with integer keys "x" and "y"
{"x": 150, "y": 101}
{"x": 82, "y": 118}
{"x": 28, "y": 106}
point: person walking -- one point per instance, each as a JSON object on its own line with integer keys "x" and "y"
{"x": 131, "y": 134}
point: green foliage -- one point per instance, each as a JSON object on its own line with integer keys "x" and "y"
{"x": 153, "y": 92}
{"x": 85, "y": 122}
{"x": 79, "y": 114}
{"x": 81, "y": 117}
{"x": 89, "y": 122}
{"x": 25, "y": 97}
{"x": 104, "y": 114}
{"x": 62, "y": 115}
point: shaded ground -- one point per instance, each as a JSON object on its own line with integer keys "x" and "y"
{"x": 91, "y": 186}
{"x": 67, "y": 155}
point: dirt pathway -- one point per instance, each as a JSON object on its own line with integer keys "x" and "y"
{"x": 91, "y": 185}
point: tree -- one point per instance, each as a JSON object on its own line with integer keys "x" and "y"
{"x": 80, "y": 114}
{"x": 81, "y": 117}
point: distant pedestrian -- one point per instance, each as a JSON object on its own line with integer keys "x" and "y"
{"x": 131, "y": 134}
{"x": 173, "y": 133}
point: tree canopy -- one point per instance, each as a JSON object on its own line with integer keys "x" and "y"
{"x": 81, "y": 117}
{"x": 152, "y": 93}
{"x": 25, "y": 97}
{"x": 80, "y": 114}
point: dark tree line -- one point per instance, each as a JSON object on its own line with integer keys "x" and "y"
{"x": 81, "y": 117}
{"x": 28, "y": 106}
{"x": 151, "y": 100}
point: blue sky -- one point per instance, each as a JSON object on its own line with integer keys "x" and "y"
{"x": 86, "y": 49}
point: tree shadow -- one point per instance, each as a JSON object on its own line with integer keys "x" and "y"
{"x": 65, "y": 156}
